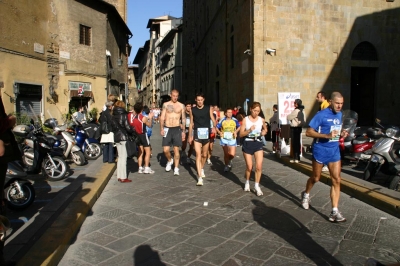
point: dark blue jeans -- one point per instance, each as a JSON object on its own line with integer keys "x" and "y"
{"x": 108, "y": 152}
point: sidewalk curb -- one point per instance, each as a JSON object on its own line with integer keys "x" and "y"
{"x": 51, "y": 246}
{"x": 370, "y": 196}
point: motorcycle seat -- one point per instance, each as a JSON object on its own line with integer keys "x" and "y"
{"x": 360, "y": 140}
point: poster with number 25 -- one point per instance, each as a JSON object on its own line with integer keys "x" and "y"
{"x": 286, "y": 105}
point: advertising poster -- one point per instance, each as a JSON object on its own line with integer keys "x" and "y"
{"x": 286, "y": 105}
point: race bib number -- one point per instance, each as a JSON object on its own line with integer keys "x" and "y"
{"x": 165, "y": 131}
{"x": 337, "y": 128}
{"x": 228, "y": 135}
{"x": 254, "y": 134}
{"x": 202, "y": 133}
{"x": 187, "y": 121}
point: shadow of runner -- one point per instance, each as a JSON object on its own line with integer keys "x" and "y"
{"x": 285, "y": 226}
{"x": 145, "y": 256}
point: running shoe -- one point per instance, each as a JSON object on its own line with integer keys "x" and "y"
{"x": 176, "y": 171}
{"x": 305, "y": 201}
{"x": 169, "y": 164}
{"x": 140, "y": 170}
{"x": 258, "y": 191}
{"x": 226, "y": 168}
{"x": 246, "y": 187}
{"x": 208, "y": 161}
{"x": 202, "y": 174}
{"x": 147, "y": 170}
{"x": 336, "y": 217}
{"x": 200, "y": 182}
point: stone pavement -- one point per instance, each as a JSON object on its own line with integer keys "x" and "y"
{"x": 163, "y": 219}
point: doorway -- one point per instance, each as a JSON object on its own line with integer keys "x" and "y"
{"x": 363, "y": 94}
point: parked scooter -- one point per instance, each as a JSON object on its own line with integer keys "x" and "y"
{"x": 386, "y": 158}
{"x": 91, "y": 147}
{"x": 66, "y": 142}
{"x": 38, "y": 154}
{"x": 355, "y": 147}
{"x": 18, "y": 191}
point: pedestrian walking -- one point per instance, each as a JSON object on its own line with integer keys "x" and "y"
{"x": 297, "y": 119}
{"x": 325, "y": 128}
{"x": 107, "y": 139}
{"x": 188, "y": 109}
{"x": 228, "y": 129}
{"x": 274, "y": 122}
{"x": 252, "y": 128}
{"x": 173, "y": 132}
{"x": 140, "y": 122}
{"x": 199, "y": 133}
{"x": 122, "y": 130}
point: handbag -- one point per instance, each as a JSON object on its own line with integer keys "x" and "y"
{"x": 131, "y": 148}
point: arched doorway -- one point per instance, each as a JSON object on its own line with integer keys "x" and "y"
{"x": 363, "y": 82}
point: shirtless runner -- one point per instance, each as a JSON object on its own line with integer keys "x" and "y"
{"x": 173, "y": 112}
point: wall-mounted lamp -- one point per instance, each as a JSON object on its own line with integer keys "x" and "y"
{"x": 271, "y": 52}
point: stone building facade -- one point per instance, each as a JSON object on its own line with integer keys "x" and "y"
{"x": 69, "y": 59}
{"x": 346, "y": 46}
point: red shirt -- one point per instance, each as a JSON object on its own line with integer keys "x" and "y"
{"x": 136, "y": 121}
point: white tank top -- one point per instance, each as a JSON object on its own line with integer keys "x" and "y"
{"x": 257, "y": 131}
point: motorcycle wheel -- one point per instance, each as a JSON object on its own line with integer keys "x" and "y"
{"x": 395, "y": 183}
{"x": 370, "y": 172}
{"x": 78, "y": 158}
{"x": 14, "y": 203}
{"x": 94, "y": 152}
{"x": 57, "y": 173}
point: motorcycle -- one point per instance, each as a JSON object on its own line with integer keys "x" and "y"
{"x": 38, "y": 154}
{"x": 355, "y": 147}
{"x": 18, "y": 191}
{"x": 90, "y": 146}
{"x": 386, "y": 158}
{"x": 65, "y": 142}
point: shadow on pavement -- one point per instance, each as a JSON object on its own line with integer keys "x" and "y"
{"x": 145, "y": 255}
{"x": 285, "y": 226}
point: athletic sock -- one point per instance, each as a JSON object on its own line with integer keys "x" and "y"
{"x": 256, "y": 185}
{"x": 247, "y": 182}
{"x": 306, "y": 195}
{"x": 335, "y": 209}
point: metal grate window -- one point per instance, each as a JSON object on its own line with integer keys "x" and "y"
{"x": 364, "y": 51}
{"x": 85, "y": 34}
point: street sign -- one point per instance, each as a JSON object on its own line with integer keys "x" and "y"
{"x": 286, "y": 105}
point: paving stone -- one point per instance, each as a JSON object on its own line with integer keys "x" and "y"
{"x": 118, "y": 230}
{"x": 99, "y": 238}
{"x": 73, "y": 262}
{"x": 113, "y": 214}
{"x": 327, "y": 229}
{"x": 143, "y": 209}
{"x": 182, "y": 254}
{"x": 298, "y": 255}
{"x": 350, "y": 246}
{"x": 126, "y": 243}
{"x": 189, "y": 229}
{"x": 385, "y": 255}
{"x": 244, "y": 217}
{"x": 359, "y": 237}
{"x": 225, "y": 210}
{"x": 180, "y": 220}
{"x": 222, "y": 253}
{"x": 162, "y": 214}
{"x": 182, "y": 207}
{"x": 97, "y": 253}
{"x": 350, "y": 259}
{"x": 208, "y": 220}
{"x": 166, "y": 241}
{"x": 100, "y": 208}
{"x": 226, "y": 228}
{"x": 93, "y": 226}
{"x": 382, "y": 238}
{"x": 246, "y": 236}
{"x": 278, "y": 261}
{"x": 205, "y": 240}
{"x": 240, "y": 260}
{"x": 139, "y": 220}
{"x": 367, "y": 225}
{"x": 154, "y": 231}
{"x": 199, "y": 263}
{"x": 261, "y": 249}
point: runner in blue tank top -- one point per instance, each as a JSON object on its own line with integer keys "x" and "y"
{"x": 325, "y": 128}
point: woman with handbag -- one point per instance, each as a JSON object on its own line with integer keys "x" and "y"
{"x": 297, "y": 119}
{"x": 107, "y": 135}
{"x": 122, "y": 131}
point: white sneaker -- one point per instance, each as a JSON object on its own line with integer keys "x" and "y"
{"x": 188, "y": 160}
{"x": 140, "y": 170}
{"x": 325, "y": 168}
{"x": 208, "y": 161}
{"x": 258, "y": 191}
{"x": 247, "y": 187}
{"x": 147, "y": 170}
{"x": 202, "y": 174}
{"x": 176, "y": 171}
{"x": 305, "y": 201}
{"x": 226, "y": 168}
{"x": 169, "y": 164}
{"x": 200, "y": 182}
